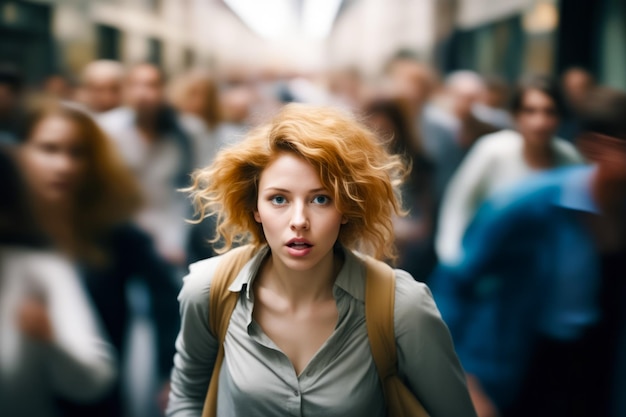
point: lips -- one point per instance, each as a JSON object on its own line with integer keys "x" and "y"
{"x": 299, "y": 243}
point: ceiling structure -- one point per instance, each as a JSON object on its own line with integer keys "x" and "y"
{"x": 280, "y": 19}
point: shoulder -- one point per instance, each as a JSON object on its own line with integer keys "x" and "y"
{"x": 43, "y": 270}
{"x": 503, "y": 141}
{"x": 197, "y": 283}
{"x": 39, "y": 262}
{"x": 567, "y": 152}
{"x": 414, "y": 305}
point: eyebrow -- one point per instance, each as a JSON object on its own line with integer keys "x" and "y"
{"x": 282, "y": 190}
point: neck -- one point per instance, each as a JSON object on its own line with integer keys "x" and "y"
{"x": 301, "y": 288}
{"x": 55, "y": 220}
{"x": 538, "y": 155}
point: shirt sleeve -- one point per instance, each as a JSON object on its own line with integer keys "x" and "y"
{"x": 196, "y": 348}
{"x": 463, "y": 195}
{"x": 426, "y": 356}
{"x": 81, "y": 364}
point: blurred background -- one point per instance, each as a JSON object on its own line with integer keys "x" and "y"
{"x": 508, "y": 37}
{"x": 108, "y": 106}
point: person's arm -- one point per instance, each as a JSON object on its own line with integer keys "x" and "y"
{"x": 426, "y": 357}
{"x": 81, "y": 363}
{"x": 464, "y": 193}
{"x": 196, "y": 348}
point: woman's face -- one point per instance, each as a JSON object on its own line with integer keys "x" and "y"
{"x": 538, "y": 118}
{"x": 54, "y": 159}
{"x": 299, "y": 218}
{"x": 196, "y": 99}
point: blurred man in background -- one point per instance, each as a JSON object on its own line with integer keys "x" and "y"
{"x": 101, "y": 86}
{"x": 154, "y": 145}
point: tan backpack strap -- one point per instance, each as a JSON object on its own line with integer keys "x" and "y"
{"x": 380, "y": 297}
{"x": 222, "y": 302}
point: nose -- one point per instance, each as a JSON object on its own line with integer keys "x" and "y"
{"x": 66, "y": 164}
{"x": 299, "y": 217}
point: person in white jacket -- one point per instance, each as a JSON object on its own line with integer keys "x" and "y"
{"x": 502, "y": 159}
{"x": 51, "y": 344}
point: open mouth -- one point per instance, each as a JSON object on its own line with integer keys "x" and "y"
{"x": 299, "y": 245}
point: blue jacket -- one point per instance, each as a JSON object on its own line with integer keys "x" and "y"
{"x": 529, "y": 268}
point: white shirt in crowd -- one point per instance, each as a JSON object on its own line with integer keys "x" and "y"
{"x": 78, "y": 364}
{"x": 494, "y": 163}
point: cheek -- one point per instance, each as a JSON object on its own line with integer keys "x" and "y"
{"x": 36, "y": 165}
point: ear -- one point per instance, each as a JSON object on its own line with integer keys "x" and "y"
{"x": 344, "y": 220}
{"x": 257, "y": 216}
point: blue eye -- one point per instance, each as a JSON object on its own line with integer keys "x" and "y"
{"x": 278, "y": 200}
{"x": 322, "y": 200}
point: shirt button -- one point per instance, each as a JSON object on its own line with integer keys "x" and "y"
{"x": 296, "y": 393}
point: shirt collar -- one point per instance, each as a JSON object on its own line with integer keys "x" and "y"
{"x": 576, "y": 193}
{"x": 350, "y": 278}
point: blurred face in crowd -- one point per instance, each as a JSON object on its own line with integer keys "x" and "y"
{"x": 538, "y": 118}
{"x": 196, "y": 98}
{"x": 576, "y": 84}
{"x": 463, "y": 96}
{"x": 103, "y": 93}
{"x": 412, "y": 81}
{"x": 54, "y": 159}
{"x": 144, "y": 90}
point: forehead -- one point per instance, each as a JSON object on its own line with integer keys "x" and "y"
{"x": 534, "y": 96}
{"x": 56, "y": 126}
{"x": 291, "y": 172}
{"x": 145, "y": 74}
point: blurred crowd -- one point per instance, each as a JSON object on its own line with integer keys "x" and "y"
{"x": 515, "y": 207}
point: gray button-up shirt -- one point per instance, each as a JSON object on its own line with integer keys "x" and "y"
{"x": 257, "y": 379}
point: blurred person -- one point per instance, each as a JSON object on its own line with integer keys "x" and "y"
{"x": 58, "y": 86}
{"x": 83, "y": 198}
{"x": 160, "y": 153}
{"x": 502, "y": 159}
{"x": 527, "y": 304}
{"x": 11, "y": 110}
{"x": 417, "y": 83}
{"x": 413, "y": 233}
{"x": 195, "y": 96}
{"x": 236, "y": 105}
{"x": 462, "y": 91}
{"x": 51, "y": 344}
{"x": 306, "y": 190}
{"x": 576, "y": 83}
{"x": 346, "y": 87}
{"x": 492, "y": 104}
{"x": 101, "y": 85}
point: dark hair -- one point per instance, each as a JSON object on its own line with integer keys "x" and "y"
{"x": 604, "y": 112}
{"x": 16, "y": 220}
{"x": 546, "y": 85}
{"x": 11, "y": 78}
